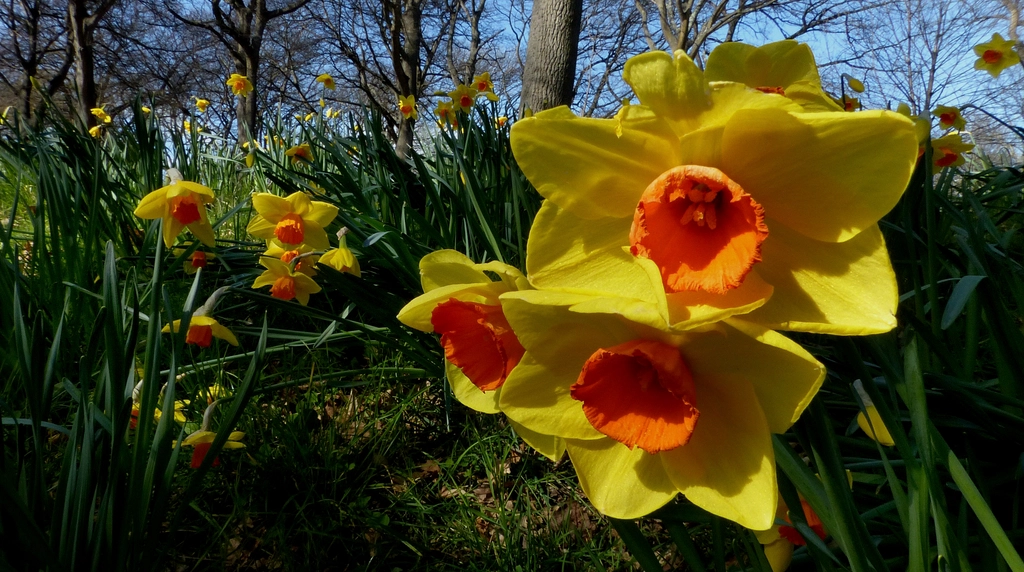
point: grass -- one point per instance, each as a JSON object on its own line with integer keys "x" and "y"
{"x": 357, "y": 456}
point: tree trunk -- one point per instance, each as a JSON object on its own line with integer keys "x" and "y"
{"x": 245, "y": 109}
{"x": 551, "y": 54}
{"x": 80, "y": 36}
{"x": 407, "y": 65}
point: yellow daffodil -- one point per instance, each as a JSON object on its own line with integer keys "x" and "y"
{"x": 306, "y": 264}
{"x": 484, "y": 86}
{"x": 146, "y": 110}
{"x": 285, "y": 284}
{"x": 341, "y": 259}
{"x": 300, "y": 153}
{"x": 100, "y": 114}
{"x": 201, "y": 441}
{"x": 202, "y": 104}
{"x": 648, "y": 412}
{"x": 711, "y": 200}
{"x": 215, "y": 392}
{"x": 181, "y": 204}
{"x": 446, "y": 115}
{"x": 854, "y": 83}
{"x": 849, "y": 103}
{"x": 947, "y": 151}
{"x": 309, "y": 116}
{"x": 96, "y": 131}
{"x": 202, "y": 330}
{"x": 407, "y": 105}
{"x": 463, "y": 98}
{"x": 500, "y": 122}
{"x": 949, "y": 117}
{"x": 785, "y": 68}
{"x": 460, "y": 302}
{"x": 292, "y": 220}
{"x": 995, "y": 55}
{"x": 239, "y": 84}
{"x": 179, "y": 413}
{"x": 326, "y": 80}
{"x": 198, "y": 259}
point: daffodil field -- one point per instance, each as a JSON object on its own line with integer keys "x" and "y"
{"x": 742, "y": 324}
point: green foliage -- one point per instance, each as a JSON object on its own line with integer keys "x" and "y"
{"x": 357, "y": 456}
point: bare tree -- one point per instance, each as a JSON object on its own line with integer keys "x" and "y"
{"x": 83, "y": 18}
{"x": 240, "y": 27}
{"x": 34, "y": 47}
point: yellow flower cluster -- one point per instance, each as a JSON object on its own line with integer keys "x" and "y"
{"x": 729, "y": 205}
{"x": 460, "y": 100}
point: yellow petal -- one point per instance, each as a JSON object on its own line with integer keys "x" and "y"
{"x": 321, "y": 213}
{"x": 846, "y": 288}
{"x": 416, "y": 314}
{"x": 784, "y": 376}
{"x": 777, "y": 64}
{"x": 728, "y": 467}
{"x": 537, "y": 397}
{"x": 448, "y": 267}
{"x": 874, "y": 427}
{"x": 204, "y": 192}
{"x": 172, "y": 228}
{"x": 570, "y": 253}
{"x": 827, "y": 175}
{"x": 224, "y": 334}
{"x": 598, "y": 172}
{"x": 316, "y": 237}
{"x": 204, "y": 232}
{"x": 670, "y": 85}
{"x": 548, "y": 445}
{"x": 261, "y": 227}
{"x": 200, "y": 437}
{"x": 779, "y": 554}
{"x": 233, "y": 445}
{"x": 271, "y": 207}
{"x": 153, "y": 205}
{"x": 619, "y": 482}
{"x": 468, "y": 394}
{"x": 175, "y": 325}
{"x": 688, "y": 310}
{"x": 548, "y": 327}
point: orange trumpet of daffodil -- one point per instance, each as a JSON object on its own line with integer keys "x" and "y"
{"x": 407, "y": 105}
{"x": 239, "y": 84}
{"x": 181, "y": 204}
{"x": 995, "y": 55}
{"x": 292, "y": 220}
{"x": 285, "y": 283}
{"x": 460, "y": 302}
{"x": 648, "y": 412}
{"x": 708, "y": 200}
